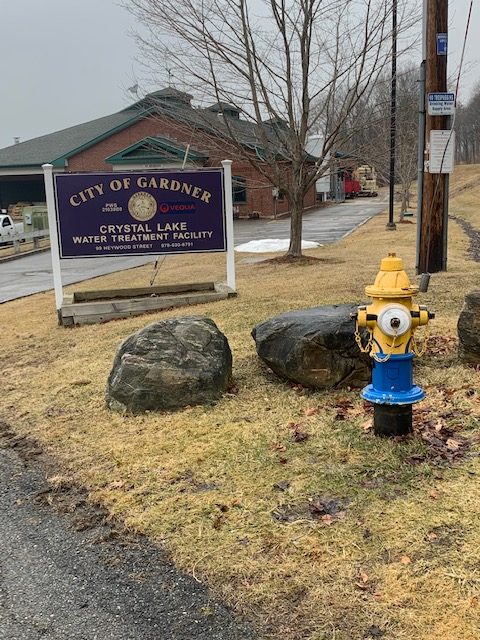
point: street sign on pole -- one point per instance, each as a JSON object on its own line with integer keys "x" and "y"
{"x": 442, "y": 44}
{"x": 441, "y": 104}
{"x": 442, "y": 147}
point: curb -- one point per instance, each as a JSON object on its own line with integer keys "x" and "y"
{"x": 22, "y": 255}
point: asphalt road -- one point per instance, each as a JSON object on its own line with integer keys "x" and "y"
{"x": 67, "y": 573}
{"x": 324, "y": 225}
{"x": 33, "y": 274}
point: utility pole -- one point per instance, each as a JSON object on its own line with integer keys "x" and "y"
{"x": 393, "y": 119}
{"x": 432, "y": 236}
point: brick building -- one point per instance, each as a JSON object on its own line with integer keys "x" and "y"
{"x": 160, "y": 131}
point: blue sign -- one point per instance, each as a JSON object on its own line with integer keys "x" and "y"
{"x": 442, "y": 96}
{"x": 111, "y": 214}
{"x": 441, "y": 104}
{"x": 442, "y": 42}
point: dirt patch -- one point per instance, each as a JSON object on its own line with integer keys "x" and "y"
{"x": 326, "y": 509}
{"x": 300, "y": 261}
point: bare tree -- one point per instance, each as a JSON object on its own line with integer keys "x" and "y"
{"x": 272, "y": 61}
{"x": 467, "y": 127}
{"x": 406, "y": 142}
{"x": 370, "y": 142}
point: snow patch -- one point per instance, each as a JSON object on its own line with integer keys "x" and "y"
{"x": 271, "y": 246}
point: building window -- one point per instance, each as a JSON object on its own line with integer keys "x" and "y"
{"x": 239, "y": 190}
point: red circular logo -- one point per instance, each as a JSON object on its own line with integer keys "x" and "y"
{"x": 164, "y": 208}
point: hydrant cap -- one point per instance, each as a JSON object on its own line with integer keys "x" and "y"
{"x": 391, "y": 281}
{"x": 391, "y": 263}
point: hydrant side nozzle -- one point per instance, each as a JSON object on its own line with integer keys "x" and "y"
{"x": 362, "y": 316}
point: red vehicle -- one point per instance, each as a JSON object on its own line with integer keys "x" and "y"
{"x": 352, "y": 186}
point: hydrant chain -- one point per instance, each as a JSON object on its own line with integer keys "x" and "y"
{"x": 358, "y": 339}
{"x": 422, "y": 350}
{"x": 387, "y": 355}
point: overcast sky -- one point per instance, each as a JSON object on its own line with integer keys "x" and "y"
{"x": 63, "y": 62}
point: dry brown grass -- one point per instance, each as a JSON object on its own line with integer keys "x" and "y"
{"x": 405, "y": 558}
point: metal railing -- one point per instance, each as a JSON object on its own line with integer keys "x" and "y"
{"x": 34, "y": 236}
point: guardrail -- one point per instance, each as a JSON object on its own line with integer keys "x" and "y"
{"x": 36, "y": 236}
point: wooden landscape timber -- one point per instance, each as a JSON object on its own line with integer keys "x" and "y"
{"x": 90, "y": 307}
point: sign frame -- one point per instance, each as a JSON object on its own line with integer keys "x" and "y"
{"x": 442, "y": 151}
{"x": 441, "y": 103}
{"x": 442, "y": 44}
{"x": 226, "y": 223}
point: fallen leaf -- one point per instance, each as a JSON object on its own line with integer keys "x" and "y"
{"x": 363, "y": 577}
{"x": 405, "y": 560}
{"x": 298, "y": 435}
{"x": 311, "y": 411}
{"x": 219, "y": 520}
{"x": 448, "y": 393}
{"x": 367, "y": 425}
{"x": 327, "y": 519}
{"x": 432, "y": 536}
{"x": 453, "y": 445}
{"x": 282, "y": 485}
{"x": 473, "y": 601}
{"x": 434, "y": 494}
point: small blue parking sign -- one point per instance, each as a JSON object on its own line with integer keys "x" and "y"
{"x": 442, "y": 40}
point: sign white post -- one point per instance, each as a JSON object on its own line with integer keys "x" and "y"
{"x": 227, "y": 175}
{"x": 53, "y": 231}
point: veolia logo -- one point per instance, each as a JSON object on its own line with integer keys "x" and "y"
{"x": 177, "y": 207}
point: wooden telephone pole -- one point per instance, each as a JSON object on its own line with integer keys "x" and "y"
{"x": 432, "y": 238}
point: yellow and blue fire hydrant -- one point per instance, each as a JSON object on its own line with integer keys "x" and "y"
{"x": 391, "y": 321}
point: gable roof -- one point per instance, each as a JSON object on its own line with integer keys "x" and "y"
{"x": 55, "y": 147}
{"x": 217, "y": 120}
{"x": 157, "y": 150}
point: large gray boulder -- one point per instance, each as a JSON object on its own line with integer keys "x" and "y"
{"x": 468, "y": 328}
{"x": 314, "y": 347}
{"x": 168, "y": 365}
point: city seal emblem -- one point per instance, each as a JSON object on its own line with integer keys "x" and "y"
{"x": 142, "y": 206}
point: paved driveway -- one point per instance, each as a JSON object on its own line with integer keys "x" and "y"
{"x": 325, "y": 225}
{"x": 33, "y": 274}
